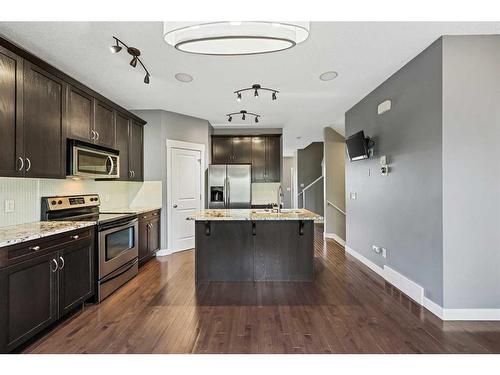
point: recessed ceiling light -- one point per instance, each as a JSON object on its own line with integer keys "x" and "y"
{"x": 328, "y": 76}
{"x": 299, "y": 137}
{"x": 183, "y": 77}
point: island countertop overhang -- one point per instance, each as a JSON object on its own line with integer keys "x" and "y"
{"x": 254, "y": 215}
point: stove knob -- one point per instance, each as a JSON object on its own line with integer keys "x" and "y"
{"x": 59, "y": 202}
{"x": 53, "y": 202}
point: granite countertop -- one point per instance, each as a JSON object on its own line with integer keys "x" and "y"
{"x": 131, "y": 210}
{"x": 31, "y": 231}
{"x": 254, "y": 214}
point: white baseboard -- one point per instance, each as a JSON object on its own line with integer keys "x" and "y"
{"x": 335, "y": 237}
{"x": 407, "y": 286}
{"x": 163, "y": 252}
{"x": 417, "y": 293}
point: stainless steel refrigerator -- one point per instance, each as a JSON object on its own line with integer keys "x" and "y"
{"x": 230, "y": 186}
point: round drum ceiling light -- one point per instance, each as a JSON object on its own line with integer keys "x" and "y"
{"x": 183, "y": 77}
{"x": 234, "y": 38}
{"x": 328, "y": 76}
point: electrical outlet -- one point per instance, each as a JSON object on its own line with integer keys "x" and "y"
{"x": 9, "y": 205}
{"x": 376, "y": 249}
{"x": 384, "y": 252}
{"x": 352, "y": 195}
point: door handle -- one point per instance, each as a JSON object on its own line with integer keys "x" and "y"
{"x": 301, "y": 228}
{"x": 62, "y": 260}
{"x": 207, "y": 228}
{"x": 56, "y": 264}
{"x": 92, "y": 137}
{"x": 29, "y": 164}
{"x": 175, "y": 206}
{"x": 97, "y": 136}
{"x": 75, "y": 237}
{"x": 254, "y": 229}
{"x": 22, "y": 163}
{"x": 35, "y": 248}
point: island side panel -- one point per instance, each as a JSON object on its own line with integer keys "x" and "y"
{"x": 224, "y": 251}
{"x": 284, "y": 252}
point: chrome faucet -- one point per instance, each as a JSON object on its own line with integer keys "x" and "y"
{"x": 280, "y": 195}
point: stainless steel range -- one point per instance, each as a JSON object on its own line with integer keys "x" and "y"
{"x": 117, "y": 238}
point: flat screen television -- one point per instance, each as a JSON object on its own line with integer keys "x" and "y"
{"x": 357, "y": 146}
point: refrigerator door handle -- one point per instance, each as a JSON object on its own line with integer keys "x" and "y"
{"x": 225, "y": 192}
{"x": 228, "y": 193}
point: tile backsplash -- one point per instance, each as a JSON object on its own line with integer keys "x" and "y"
{"x": 27, "y": 192}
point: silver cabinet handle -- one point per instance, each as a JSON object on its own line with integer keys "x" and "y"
{"x": 133, "y": 174}
{"x": 29, "y": 164}
{"x": 112, "y": 164}
{"x": 62, "y": 265}
{"x": 75, "y": 237}
{"x": 92, "y": 136}
{"x": 22, "y": 163}
{"x": 35, "y": 248}
{"x": 56, "y": 264}
{"x": 175, "y": 206}
{"x": 97, "y": 135}
{"x": 130, "y": 174}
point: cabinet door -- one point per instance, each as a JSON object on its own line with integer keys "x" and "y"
{"x": 28, "y": 300}
{"x": 104, "y": 125}
{"x": 143, "y": 240}
{"x": 44, "y": 111}
{"x": 273, "y": 159}
{"x": 222, "y": 150}
{"x": 11, "y": 114}
{"x": 136, "y": 151}
{"x": 154, "y": 235}
{"x": 76, "y": 275}
{"x": 80, "y": 119}
{"x": 122, "y": 143}
{"x": 242, "y": 150}
{"x": 258, "y": 159}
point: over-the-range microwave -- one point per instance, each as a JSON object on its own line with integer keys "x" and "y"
{"x": 86, "y": 160}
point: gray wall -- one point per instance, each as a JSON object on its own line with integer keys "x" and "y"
{"x": 402, "y": 211}
{"x": 335, "y": 155}
{"x": 163, "y": 125}
{"x": 309, "y": 168}
{"x": 471, "y": 171}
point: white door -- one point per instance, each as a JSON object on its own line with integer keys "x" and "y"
{"x": 185, "y": 182}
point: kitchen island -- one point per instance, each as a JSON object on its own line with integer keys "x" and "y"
{"x": 254, "y": 245}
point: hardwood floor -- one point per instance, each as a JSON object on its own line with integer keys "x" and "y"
{"x": 348, "y": 309}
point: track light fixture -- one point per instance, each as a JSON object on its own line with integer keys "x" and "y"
{"x": 134, "y": 52}
{"x": 256, "y": 87}
{"x": 243, "y": 114}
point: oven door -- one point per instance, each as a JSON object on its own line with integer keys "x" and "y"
{"x": 117, "y": 246}
{"x": 87, "y": 162}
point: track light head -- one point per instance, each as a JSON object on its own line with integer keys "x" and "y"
{"x": 133, "y": 62}
{"x": 256, "y": 119}
{"x": 116, "y": 48}
{"x": 273, "y": 97}
{"x": 243, "y": 117}
{"x": 256, "y": 93}
{"x": 238, "y": 97}
{"x": 146, "y": 78}
{"x": 230, "y": 118}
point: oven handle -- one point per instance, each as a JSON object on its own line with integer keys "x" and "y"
{"x": 118, "y": 272}
{"x": 111, "y": 228}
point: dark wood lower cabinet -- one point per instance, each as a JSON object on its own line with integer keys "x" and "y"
{"x": 28, "y": 300}
{"x": 149, "y": 235}
{"x": 254, "y": 251}
{"x": 37, "y": 289}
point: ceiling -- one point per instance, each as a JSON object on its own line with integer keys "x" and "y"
{"x": 363, "y": 53}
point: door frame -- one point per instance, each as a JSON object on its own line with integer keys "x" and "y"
{"x": 171, "y": 144}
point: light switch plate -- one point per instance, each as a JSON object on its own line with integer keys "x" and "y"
{"x": 9, "y": 205}
{"x": 352, "y": 195}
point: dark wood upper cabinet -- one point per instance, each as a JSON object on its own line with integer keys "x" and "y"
{"x": 273, "y": 159}
{"x": 258, "y": 159}
{"x": 104, "y": 125}
{"x": 122, "y": 144}
{"x": 135, "y": 156}
{"x": 222, "y": 150}
{"x": 80, "y": 120}
{"x": 242, "y": 150}
{"x": 11, "y": 114}
{"x": 44, "y": 112}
